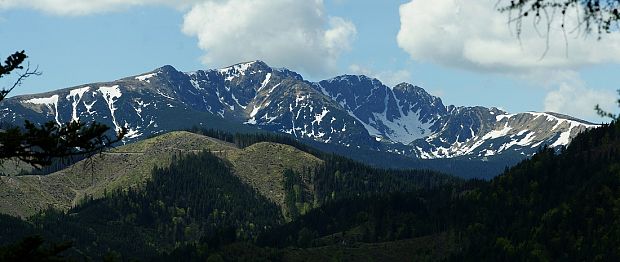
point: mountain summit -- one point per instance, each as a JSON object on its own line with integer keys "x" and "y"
{"x": 349, "y": 110}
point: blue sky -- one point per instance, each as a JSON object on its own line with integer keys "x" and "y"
{"x": 444, "y": 46}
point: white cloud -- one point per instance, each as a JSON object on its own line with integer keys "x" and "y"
{"x": 290, "y": 33}
{"x": 389, "y": 78}
{"x": 87, "y": 7}
{"x": 473, "y": 35}
{"x": 574, "y": 97}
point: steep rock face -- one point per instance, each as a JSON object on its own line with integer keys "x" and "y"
{"x": 273, "y": 99}
{"x": 351, "y": 110}
{"x": 400, "y": 115}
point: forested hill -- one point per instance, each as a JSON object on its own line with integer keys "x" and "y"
{"x": 228, "y": 193}
{"x": 555, "y": 206}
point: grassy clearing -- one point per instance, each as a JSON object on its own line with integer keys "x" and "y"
{"x": 260, "y": 165}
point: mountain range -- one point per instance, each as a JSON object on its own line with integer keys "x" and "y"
{"x": 353, "y": 111}
{"x": 210, "y": 195}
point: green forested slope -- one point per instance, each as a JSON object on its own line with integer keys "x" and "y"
{"x": 555, "y": 206}
{"x": 562, "y": 206}
{"x": 196, "y": 199}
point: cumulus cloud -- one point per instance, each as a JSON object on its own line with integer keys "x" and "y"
{"x": 389, "y": 78}
{"x": 291, "y": 33}
{"x": 87, "y": 7}
{"x": 473, "y": 35}
{"x": 574, "y": 97}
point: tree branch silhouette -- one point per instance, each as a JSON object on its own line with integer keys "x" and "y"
{"x": 38, "y": 145}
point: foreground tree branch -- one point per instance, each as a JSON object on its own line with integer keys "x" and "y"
{"x": 38, "y": 145}
{"x": 588, "y": 16}
{"x": 593, "y": 16}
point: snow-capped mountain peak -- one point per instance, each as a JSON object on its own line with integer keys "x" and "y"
{"x": 350, "y": 110}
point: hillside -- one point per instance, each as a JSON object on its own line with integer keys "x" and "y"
{"x": 553, "y": 207}
{"x": 201, "y": 200}
{"x": 131, "y": 165}
{"x": 557, "y": 206}
{"x": 196, "y": 198}
{"x": 262, "y": 165}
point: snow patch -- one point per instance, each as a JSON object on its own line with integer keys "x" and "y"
{"x": 319, "y": 117}
{"x": 76, "y": 95}
{"x": 299, "y": 98}
{"x": 164, "y": 95}
{"x": 550, "y": 117}
{"x": 406, "y": 128}
{"x": 564, "y": 139}
{"x": 521, "y": 142}
{"x": 274, "y": 88}
{"x": 195, "y": 84}
{"x": 50, "y": 102}
{"x": 501, "y": 117}
{"x": 110, "y": 94}
{"x": 252, "y": 120}
{"x": 237, "y": 70}
{"x": 132, "y": 133}
{"x": 89, "y": 107}
{"x": 254, "y": 111}
{"x": 145, "y": 78}
{"x": 237, "y": 101}
{"x": 265, "y": 82}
